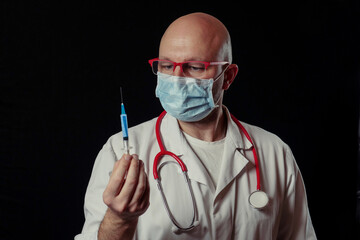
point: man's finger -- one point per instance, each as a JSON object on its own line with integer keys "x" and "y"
{"x": 118, "y": 175}
{"x": 141, "y": 185}
{"x": 131, "y": 182}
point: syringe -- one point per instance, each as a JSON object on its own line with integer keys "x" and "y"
{"x": 124, "y": 125}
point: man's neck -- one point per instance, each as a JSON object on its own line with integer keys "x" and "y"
{"x": 210, "y": 129}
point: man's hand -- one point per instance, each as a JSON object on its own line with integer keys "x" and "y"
{"x": 127, "y": 197}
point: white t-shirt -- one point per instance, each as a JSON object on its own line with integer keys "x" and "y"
{"x": 209, "y": 153}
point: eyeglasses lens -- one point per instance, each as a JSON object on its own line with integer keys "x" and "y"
{"x": 190, "y": 69}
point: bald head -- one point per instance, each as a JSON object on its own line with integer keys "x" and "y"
{"x": 197, "y": 36}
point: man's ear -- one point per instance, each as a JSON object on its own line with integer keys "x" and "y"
{"x": 230, "y": 75}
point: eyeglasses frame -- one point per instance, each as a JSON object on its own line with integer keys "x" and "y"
{"x": 207, "y": 64}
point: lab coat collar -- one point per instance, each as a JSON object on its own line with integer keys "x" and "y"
{"x": 233, "y": 160}
{"x": 238, "y": 138}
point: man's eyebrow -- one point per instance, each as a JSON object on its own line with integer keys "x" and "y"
{"x": 186, "y": 60}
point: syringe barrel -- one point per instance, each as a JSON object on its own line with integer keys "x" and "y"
{"x": 124, "y": 126}
{"x": 126, "y": 146}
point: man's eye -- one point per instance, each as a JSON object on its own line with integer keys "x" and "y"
{"x": 196, "y": 67}
{"x": 166, "y": 66}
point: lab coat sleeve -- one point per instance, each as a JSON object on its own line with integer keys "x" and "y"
{"x": 94, "y": 207}
{"x": 295, "y": 222}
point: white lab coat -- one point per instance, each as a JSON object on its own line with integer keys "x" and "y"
{"x": 222, "y": 213}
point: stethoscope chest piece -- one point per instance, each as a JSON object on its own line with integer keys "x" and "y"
{"x": 258, "y": 199}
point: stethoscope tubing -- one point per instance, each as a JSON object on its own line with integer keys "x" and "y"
{"x": 257, "y": 199}
{"x": 158, "y": 156}
{"x": 258, "y": 187}
{"x": 163, "y": 152}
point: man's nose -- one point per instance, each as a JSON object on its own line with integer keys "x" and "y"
{"x": 178, "y": 72}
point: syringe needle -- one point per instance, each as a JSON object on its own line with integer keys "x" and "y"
{"x": 121, "y": 95}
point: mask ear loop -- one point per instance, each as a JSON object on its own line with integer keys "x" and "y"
{"x": 214, "y": 80}
{"x": 222, "y": 72}
{"x": 228, "y": 82}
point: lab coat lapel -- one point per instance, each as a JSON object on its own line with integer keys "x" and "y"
{"x": 175, "y": 142}
{"x": 234, "y": 160}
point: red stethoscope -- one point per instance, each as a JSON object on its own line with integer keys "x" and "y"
{"x": 257, "y": 199}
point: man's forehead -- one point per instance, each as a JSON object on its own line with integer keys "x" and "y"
{"x": 193, "y": 49}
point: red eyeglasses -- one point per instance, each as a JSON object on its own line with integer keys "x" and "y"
{"x": 189, "y": 68}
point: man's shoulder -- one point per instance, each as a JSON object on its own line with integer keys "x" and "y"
{"x": 144, "y": 126}
{"x": 261, "y": 136}
{"x": 274, "y": 151}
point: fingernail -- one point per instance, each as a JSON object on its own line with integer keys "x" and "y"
{"x": 127, "y": 157}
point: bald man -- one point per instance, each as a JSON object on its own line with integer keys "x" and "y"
{"x": 236, "y": 181}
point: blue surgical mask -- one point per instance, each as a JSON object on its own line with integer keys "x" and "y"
{"x": 186, "y": 99}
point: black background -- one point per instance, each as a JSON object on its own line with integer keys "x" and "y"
{"x": 62, "y": 65}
